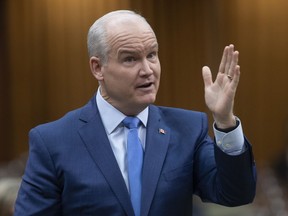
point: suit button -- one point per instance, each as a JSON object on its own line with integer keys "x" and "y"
{"x": 227, "y": 145}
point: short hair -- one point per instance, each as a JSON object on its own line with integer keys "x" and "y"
{"x": 97, "y": 34}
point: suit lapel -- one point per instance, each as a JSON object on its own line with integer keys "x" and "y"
{"x": 94, "y": 136}
{"x": 157, "y": 140}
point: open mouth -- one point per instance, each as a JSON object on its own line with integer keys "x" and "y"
{"x": 146, "y": 85}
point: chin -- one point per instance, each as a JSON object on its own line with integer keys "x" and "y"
{"x": 149, "y": 99}
{"x": 145, "y": 100}
{"x": 147, "y": 103}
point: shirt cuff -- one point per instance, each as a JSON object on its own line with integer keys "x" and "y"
{"x": 231, "y": 142}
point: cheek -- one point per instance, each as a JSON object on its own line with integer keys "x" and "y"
{"x": 158, "y": 73}
{"x": 157, "y": 69}
{"x": 114, "y": 78}
{"x": 119, "y": 85}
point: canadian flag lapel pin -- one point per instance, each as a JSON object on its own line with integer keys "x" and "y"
{"x": 162, "y": 131}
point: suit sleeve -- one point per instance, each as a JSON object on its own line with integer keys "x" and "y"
{"x": 228, "y": 180}
{"x": 40, "y": 192}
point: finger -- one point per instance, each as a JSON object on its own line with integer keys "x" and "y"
{"x": 236, "y": 77}
{"x": 207, "y": 76}
{"x": 223, "y": 60}
{"x": 230, "y": 51}
{"x": 234, "y": 63}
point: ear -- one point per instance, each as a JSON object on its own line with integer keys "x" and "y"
{"x": 96, "y": 67}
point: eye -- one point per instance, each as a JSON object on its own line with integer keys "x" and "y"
{"x": 129, "y": 59}
{"x": 152, "y": 55}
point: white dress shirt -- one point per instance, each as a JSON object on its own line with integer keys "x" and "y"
{"x": 232, "y": 143}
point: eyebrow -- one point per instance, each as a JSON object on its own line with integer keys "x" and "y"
{"x": 155, "y": 46}
{"x": 126, "y": 51}
{"x": 122, "y": 51}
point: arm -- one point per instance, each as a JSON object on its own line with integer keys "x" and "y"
{"x": 39, "y": 193}
{"x": 219, "y": 97}
{"x": 234, "y": 179}
{"x": 222, "y": 178}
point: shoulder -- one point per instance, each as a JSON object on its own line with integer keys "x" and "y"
{"x": 181, "y": 117}
{"x": 70, "y": 121}
{"x": 180, "y": 114}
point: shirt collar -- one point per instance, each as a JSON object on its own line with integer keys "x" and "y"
{"x": 111, "y": 117}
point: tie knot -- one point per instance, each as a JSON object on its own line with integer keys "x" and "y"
{"x": 131, "y": 122}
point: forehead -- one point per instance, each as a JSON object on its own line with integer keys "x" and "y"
{"x": 130, "y": 33}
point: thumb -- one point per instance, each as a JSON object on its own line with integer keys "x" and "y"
{"x": 207, "y": 76}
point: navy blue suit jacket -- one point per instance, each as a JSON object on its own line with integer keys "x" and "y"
{"x": 71, "y": 169}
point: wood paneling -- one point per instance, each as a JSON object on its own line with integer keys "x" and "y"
{"x": 49, "y": 67}
{"x": 49, "y": 72}
{"x": 193, "y": 33}
{"x": 5, "y": 147}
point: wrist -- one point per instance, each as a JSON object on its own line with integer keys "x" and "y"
{"x": 226, "y": 124}
{"x": 227, "y": 130}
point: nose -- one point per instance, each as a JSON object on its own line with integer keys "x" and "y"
{"x": 146, "y": 68}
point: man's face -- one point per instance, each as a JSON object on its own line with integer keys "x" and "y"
{"x": 132, "y": 74}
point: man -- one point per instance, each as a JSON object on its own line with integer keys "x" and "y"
{"x": 80, "y": 164}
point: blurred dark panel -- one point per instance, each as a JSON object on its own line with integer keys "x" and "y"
{"x": 48, "y": 74}
{"x": 5, "y": 144}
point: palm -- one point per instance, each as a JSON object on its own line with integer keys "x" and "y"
{"x": 219, "y": 95}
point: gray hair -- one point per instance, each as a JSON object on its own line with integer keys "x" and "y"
{"x": 97, "y": 34}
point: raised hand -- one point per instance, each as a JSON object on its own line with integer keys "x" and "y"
{"x": 219, "y": 95}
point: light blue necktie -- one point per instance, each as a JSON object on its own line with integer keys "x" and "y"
{"x": 134, "y": 162}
